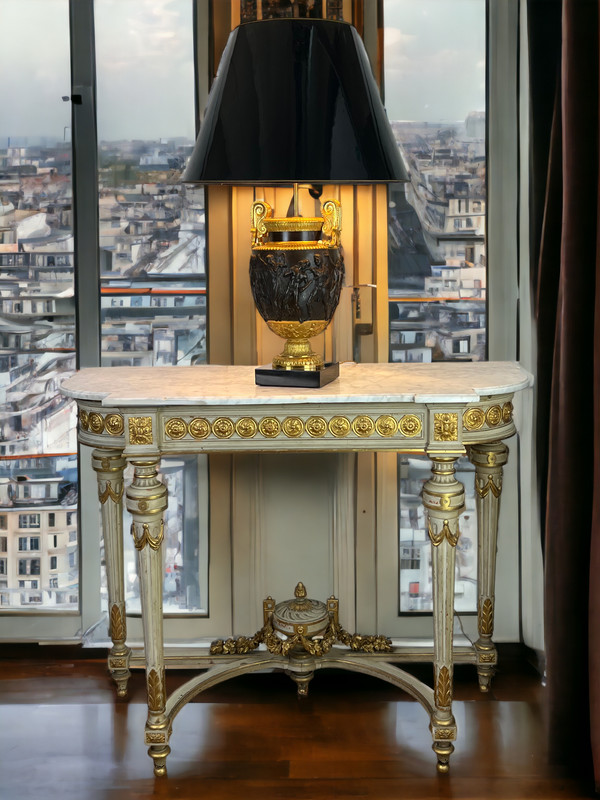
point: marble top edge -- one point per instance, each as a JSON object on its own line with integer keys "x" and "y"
{"x": 212, "y": 385}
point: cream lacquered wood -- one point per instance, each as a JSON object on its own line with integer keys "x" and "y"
{"x": 141, "y": 415}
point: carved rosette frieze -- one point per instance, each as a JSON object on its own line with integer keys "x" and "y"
{"x": 386, "y": 425}
{"x": 339, "y": 426}
{"x": 316, "y": 427}
{"x": 96, "y": 423}
{"x": 199, "y": 428}
{"x": 114, "y": 425}
{"x": 245, "y": 427}
{"x": 223, "y": 428}
{"x": 363, "y": 426}
{"x": 410, "y": 425}
{"x": 269, "y": 427}
{"x": 476, "y": 418}
{"x": 176, "y": 428}
{"x": 494, "y": 416}
{"x": 292, "y": 427}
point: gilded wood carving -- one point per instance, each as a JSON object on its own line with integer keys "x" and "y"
{"x": 443, "y": 688}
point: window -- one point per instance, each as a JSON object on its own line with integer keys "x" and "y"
{"x": 36, "y": 229}
{"x": 29, "y": 520}
{"x": 3, "y": 524}
{"x": 29, "y": 566}
{"x": 2, "y": 566}
{"x": 428, "y": 226}
{"x": 410, "y": 557}
{"x": 152, "y": 241}
{"x": 460, "y": 346}
{"x": 53, "y": 562}
{"x": 3, "y": 544}
{"x": 140, "y": 318}
{"x": 435, "y": 99}
{"x": 51, "y": 520}
{"x": 151, "y": 226}
{"x": 29, "y": 542}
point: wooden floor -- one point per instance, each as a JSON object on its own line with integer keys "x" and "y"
{"x": 64, "y": 735}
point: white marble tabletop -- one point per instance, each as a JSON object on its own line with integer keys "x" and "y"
{"x": 448, "y": 382}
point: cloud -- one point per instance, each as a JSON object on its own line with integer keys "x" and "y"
{"x": 396, "y": 50}
{"x": 145, "y": 68}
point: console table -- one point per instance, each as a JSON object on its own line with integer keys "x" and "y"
{"x": 443, "y": 410}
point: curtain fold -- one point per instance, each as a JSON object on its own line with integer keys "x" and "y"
{"x": 566, "y": 276}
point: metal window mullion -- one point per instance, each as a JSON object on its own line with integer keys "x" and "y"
{"x": 87, "y": 275}
{"x": 85, "y": 182}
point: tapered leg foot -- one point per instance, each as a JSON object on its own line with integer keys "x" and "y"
{"x": 118, "y": 665}
{"x": 443, "y": 752}
{"x": 159, "y": 756}
{"x": 302, "y": 682}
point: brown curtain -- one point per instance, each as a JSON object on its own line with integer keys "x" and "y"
{"x": 564, "y": 62}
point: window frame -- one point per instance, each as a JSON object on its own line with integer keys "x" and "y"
{"x": 505, "y": 276}
{"x": 503, "y": 47}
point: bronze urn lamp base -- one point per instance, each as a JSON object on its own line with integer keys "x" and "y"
{"x": 296, "y": 276}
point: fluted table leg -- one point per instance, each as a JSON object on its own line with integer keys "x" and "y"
{"x": 489, "y": 460}
{"x": 146, "y": 501}
{"x": 444, "y": 500}
{"x": 109, "y": 465}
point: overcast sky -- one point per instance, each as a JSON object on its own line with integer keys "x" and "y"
{"x": 434, "y": 59}
{"x": 434, "y": 65}
{"x": 145, "y": 71}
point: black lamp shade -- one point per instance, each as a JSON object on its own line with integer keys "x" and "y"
{"x": 295, "y": 100}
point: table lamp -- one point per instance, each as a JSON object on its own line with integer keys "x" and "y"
{"x": 294, "y": 103}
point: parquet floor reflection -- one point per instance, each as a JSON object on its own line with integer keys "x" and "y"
{"x": 64, "y": 735}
